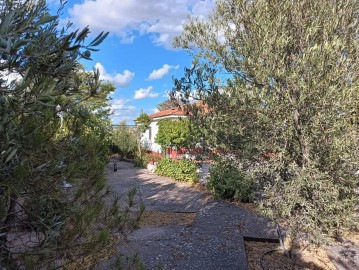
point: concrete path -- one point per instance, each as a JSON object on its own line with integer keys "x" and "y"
{"x": 214, "y": 240}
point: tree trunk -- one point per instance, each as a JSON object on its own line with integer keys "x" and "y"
{"x": 305, "y": 153}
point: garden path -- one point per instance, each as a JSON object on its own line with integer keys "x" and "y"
{"x": 184, "y": 228}
{"x": 211, "y": 237}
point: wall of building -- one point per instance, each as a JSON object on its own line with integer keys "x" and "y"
{"x": 148, "y": 138}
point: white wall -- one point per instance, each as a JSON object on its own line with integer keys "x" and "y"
{"x": 149, "y": 143}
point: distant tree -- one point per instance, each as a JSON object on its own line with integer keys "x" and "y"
{"x": 143, "y": 123}
{"x": 167, "y": 104}
{"x": 125, "y": 139}
{"x": 280, "y": 79}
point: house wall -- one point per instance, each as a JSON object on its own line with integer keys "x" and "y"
{"x": 149, "y": 141}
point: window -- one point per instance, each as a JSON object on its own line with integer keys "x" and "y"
{"x": 150, "y": 133}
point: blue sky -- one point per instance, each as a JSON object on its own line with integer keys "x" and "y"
{"x": 137, "y": 57}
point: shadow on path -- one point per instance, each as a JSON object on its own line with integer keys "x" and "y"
{"x": 214, "y": 240}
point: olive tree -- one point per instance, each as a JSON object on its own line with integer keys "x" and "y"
{"x": 125, "y": 139}
{"x": 280, "y": 82}
{"x": 54, "y": 130}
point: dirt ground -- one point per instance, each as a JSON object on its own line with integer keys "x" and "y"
{"x": 313, "y": 259}
{"x": 158, "y": 218}
{"x": 340, "y": 255}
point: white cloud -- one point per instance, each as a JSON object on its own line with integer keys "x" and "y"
{"x": 118, "y": 79}
{"x": 132, "y": 18}
{"x": 161, "y": 72}
{"x": 122, "y": 111}
{"x": 119, "y": 107}
{"x": 145, "y": 93}
{"x": 154, "y": 110}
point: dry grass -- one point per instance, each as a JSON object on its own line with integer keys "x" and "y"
{"x": 157, "y": 218}
{"x": 314, "y": 259}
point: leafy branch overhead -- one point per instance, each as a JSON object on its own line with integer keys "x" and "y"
{"x": 54, "y": 137}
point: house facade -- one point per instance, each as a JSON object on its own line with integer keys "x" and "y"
{"x": 148, "y": 138}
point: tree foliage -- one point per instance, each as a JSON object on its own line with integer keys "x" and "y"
{"x": 173, "y": 133}
{"x": 143, "y": 122}
{"x": 228, "y": 181}
{"x": 280, "y": 79}
{"x": 53, "y": 143}
{"x": 167, "y": 104}
{"x": 125, "y": 139}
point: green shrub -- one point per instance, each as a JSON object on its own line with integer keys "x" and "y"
{"x": 182, "y": 170}
{"x": 140, "y": 163}
{"x": 227, "y": 181}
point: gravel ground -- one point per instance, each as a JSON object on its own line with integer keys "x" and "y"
{"x": 186, "y": 229}
{"x": 211, "y": 237}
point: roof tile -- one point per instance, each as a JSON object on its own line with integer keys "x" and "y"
{"x": 177, "y": 111}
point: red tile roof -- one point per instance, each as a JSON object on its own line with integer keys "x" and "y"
{"x": 179, "y": 111}
{"x": 176, "y": 111}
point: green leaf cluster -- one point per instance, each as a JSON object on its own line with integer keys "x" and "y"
{"x": 167, "y": 104}
{"x": 173, "y": 133}
{"x": 143, "y": 122}
{"x": 182, "y": 170}
{"x": 227, "y": 181}
{"x": 125, "y": 139}
{"x": 54, "y": 136}
{"x": 280, "y": 82}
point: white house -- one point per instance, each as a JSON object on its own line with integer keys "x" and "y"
{"x": 148, "y": 138}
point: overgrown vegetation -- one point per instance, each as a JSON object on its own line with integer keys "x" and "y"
{"x": 54, "y": 131}
{"x": 280, "y": 79}
{"x": 152, "y": 157}
{"x": 124, "y": 140}
{"x": 228, "y": 181}
{"x": 181, "y": 170}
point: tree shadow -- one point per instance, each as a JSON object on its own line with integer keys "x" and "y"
{"x": 215, "y": 220}
{"x": 345, "y": 256}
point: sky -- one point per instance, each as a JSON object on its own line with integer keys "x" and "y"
{"x": 137, "y": 56}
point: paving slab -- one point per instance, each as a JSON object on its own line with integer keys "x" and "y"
{"x": 213, "y": 241}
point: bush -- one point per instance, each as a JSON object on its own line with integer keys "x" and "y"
{"x": 140, "y": 163}
{"x": 152, "y": 156}
{"x": 182, "y": 170}
{"x": 227, "y": 181}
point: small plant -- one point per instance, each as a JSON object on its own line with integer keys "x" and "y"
{"x": 227, "y": 181}
{"x": 182, "y": 170}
